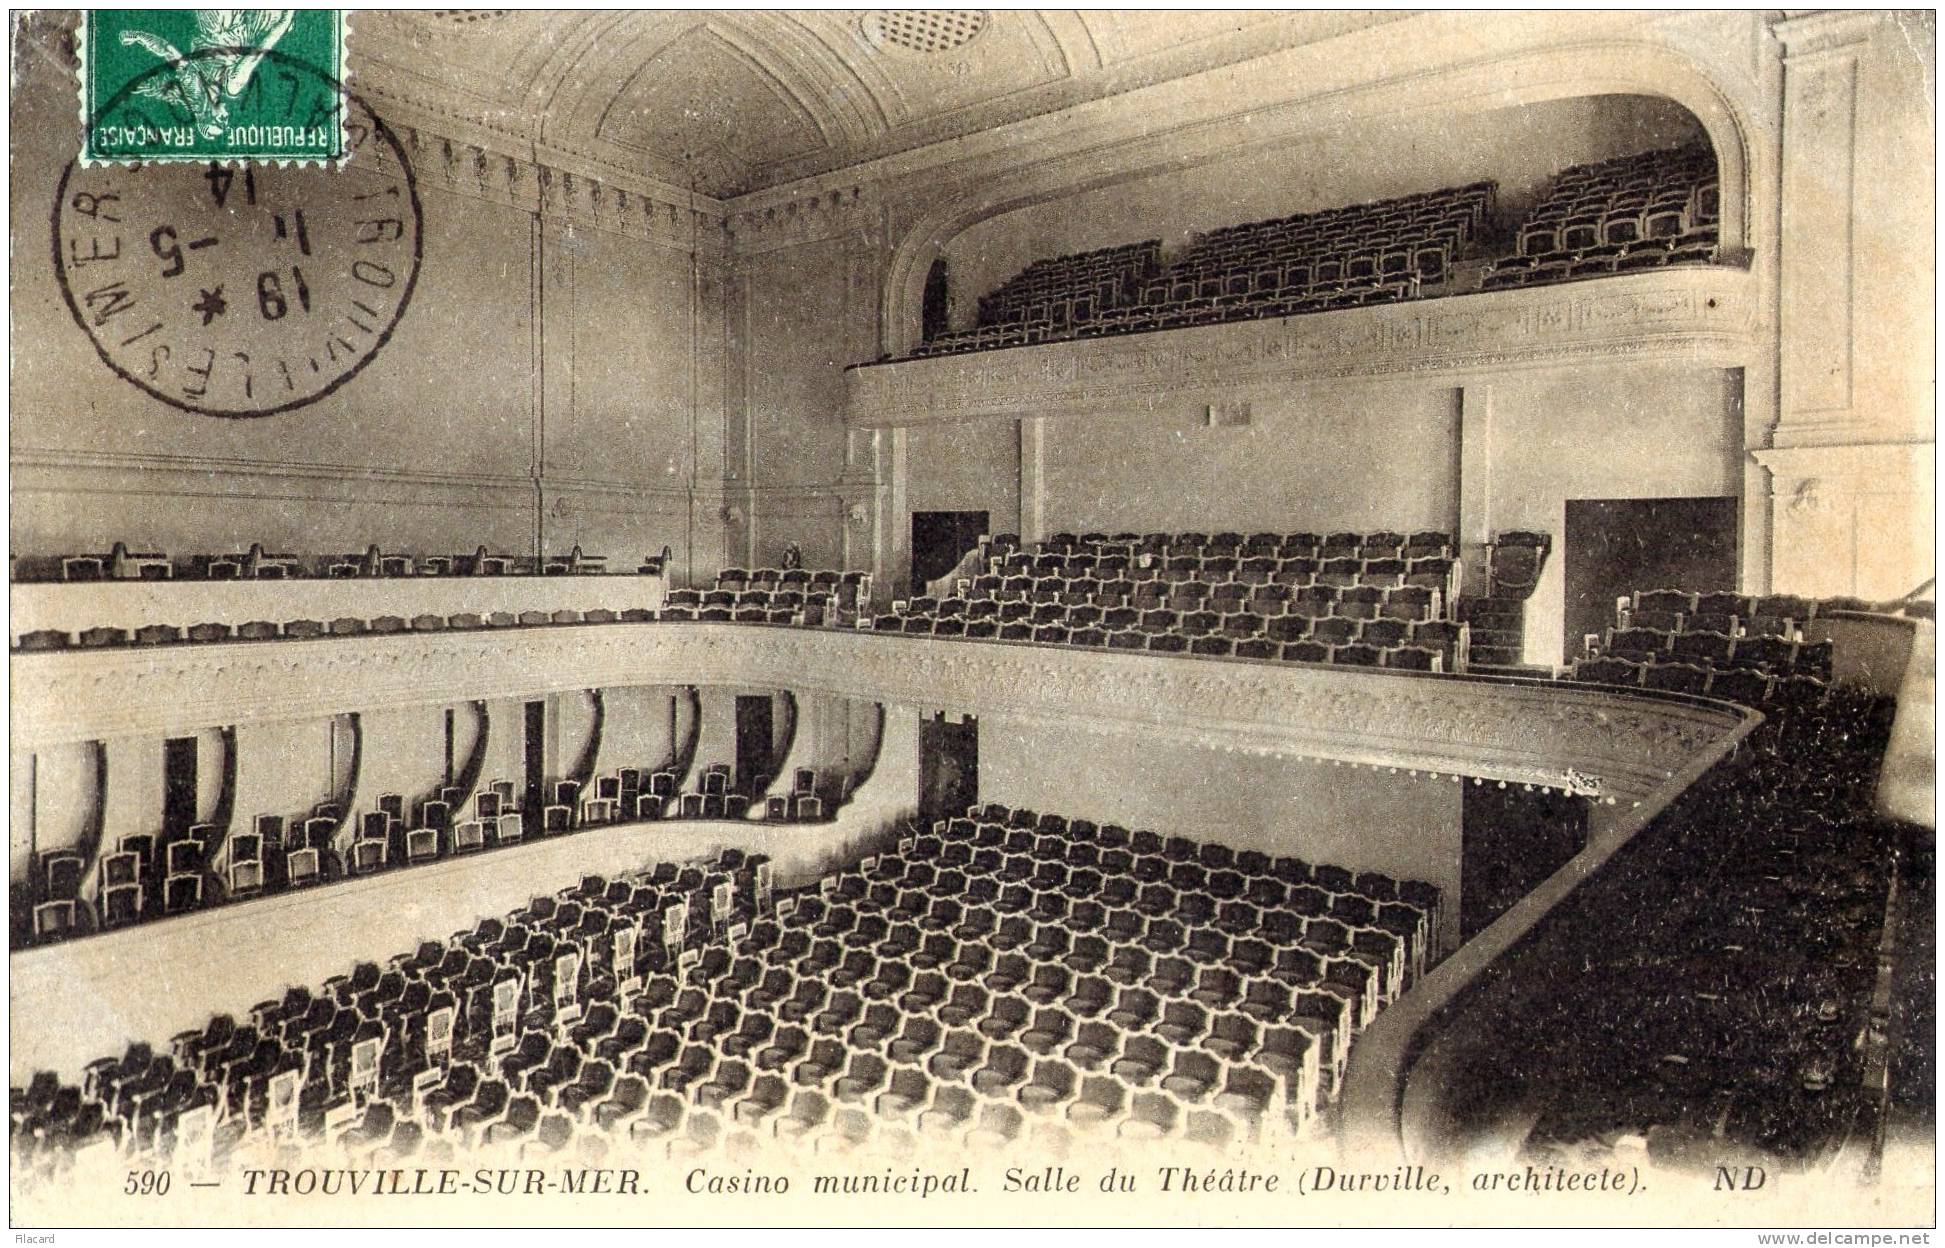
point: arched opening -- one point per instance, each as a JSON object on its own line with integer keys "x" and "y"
{"x": 1593, "y": 77}
{"x": 935, "y": 312}
{"x": 1522, "y": 150}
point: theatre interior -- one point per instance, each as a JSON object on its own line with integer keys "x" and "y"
{"x": 1031, "y": 582}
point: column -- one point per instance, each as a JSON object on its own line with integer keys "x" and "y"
{"x": 1475, "y": 528}
{"x": 1033, "y": 485}
{"x": 1849, "y": 461}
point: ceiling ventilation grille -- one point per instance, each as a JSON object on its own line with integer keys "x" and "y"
{"x": 924, "y": 31}
{"x": 466, "y": 17}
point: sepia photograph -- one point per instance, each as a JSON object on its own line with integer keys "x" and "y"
{"x": 986, "y": 618}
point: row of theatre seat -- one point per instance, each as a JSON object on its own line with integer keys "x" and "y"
{"x": 1648, "y": 210}
{"x": 148, "y": 876}
{"x": 1739, "y": 647}
{"x": 1365, "y": 253}
{"x": 1619, "y": 216}
{"x": 1004, "y": 977}
{"x": 1364, "y": 643}
{"x": 427, "y": 1050}
{"x": 1364, "y": 598}
{"x": 1726, "y": 968}
{"x": 344, "y": 626}
{"x": 121, "y": 564}
{"x": 775, "y": 596}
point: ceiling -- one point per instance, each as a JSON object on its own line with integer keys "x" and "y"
{"x": 729, "y": 102}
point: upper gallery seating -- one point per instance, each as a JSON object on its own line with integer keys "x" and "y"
{"x": 1069, "y": 291}
{"x": 1006, "y": 975}
{"x": 1619, "y": 216}
{"x": 258, "y": 564}
{"x": 1372, "y": 599}
{"x": 774, "y": 596}
{"x": 1725, "y": 966}
{"x": 1739, "y": 647}
{"x": 146, "y": 876}
{"x": 1364, "y": 253}
{"x": 1635, "y": 212}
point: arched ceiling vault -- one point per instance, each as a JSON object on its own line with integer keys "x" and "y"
{"x": 730, "y": 102}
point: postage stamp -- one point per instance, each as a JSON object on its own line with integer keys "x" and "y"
{"x": 212, "y": 84}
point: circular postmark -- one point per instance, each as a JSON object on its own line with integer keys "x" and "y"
{"x": 241, "y": 290}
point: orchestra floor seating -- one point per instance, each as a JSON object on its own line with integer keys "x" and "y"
{"x": 1001, "y": 976}
{"x": 1725, "y": 968}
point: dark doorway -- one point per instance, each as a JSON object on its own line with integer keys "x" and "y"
{"x": 755, "y": 741}
{"x": 533, "y": 805}
{"x": 935, "y": 309}
{"x": 1512, "y": 839}
{"x": 940, "y": 539}
{"x": 1615, "y": 546}
{"x": 948, "y": 766}
{"x": 178, "y": 787}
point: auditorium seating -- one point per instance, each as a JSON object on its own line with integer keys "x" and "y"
{"x": 510, "y": 1033}
{"x": 802, "y": 596}
{"x": 1624, "y": 215}
{"x": 1376, "y": 252}
{"x": 1724, "y": 968}
{"x": 144, "y": 878}
{"x": 1647, "y": 210}
{"x": 342, "y": 626}
{"x": 258, "y": 564}
{"x": 1379, "y": 599}
{"x": 1744, "y": 648}
{"x": 1005, "y": 976}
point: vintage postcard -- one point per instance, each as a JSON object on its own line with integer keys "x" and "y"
{"x": 972, "y": 618}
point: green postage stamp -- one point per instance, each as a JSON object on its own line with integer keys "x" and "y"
{"x": 212, "y": 84}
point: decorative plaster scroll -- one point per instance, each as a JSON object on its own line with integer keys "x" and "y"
{"x": 1552, "y": 734}
{"x": 1695, "y": 315}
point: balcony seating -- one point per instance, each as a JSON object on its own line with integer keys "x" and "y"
{"x": 1214, "y": 604}
{"x": 1716, "y": 644}
{"x": 258, "y": 564}
{"x": 1636, "y": 212}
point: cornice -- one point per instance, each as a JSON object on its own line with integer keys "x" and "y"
{"x": 559, "y": 189}
{"x": 1827, "y": 30}
{"x": 1597, "y": 740}
{"x": 1892, "y": 465}
{"x": 1698, "y": 315}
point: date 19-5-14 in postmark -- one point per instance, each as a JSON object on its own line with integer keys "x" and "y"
{"x": 240, "y": 288}
{"x": 212, "y": 84}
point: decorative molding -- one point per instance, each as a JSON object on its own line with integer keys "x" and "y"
{"x": 1697, "y": 316}
{"x": 809, "y": 219}
{"x": 1857, "y": 468}
{"x": 1826, "y": 30}
{"x": 663, "y": 215}
{"x": 1518, "y": 732}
